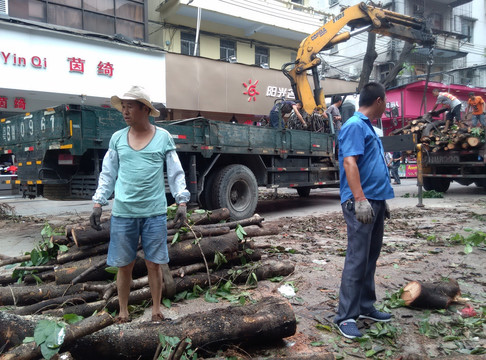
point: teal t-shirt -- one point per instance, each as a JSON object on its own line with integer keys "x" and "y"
{"x": 140, "y": 187}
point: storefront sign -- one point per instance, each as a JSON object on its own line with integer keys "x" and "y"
{"x": 280, "y": 92}
{"x": 251, "y": 90}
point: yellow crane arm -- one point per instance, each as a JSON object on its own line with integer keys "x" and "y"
{"x": 360, "y": 18}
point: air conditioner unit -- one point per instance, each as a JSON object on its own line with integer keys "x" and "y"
{"x": 4, "y": 7}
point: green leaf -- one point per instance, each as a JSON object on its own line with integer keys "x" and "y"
{"x": 210, "y": 298}
{"x": 63, "y": 248}
{"x": 111, "y": 269}
{"x": 72, "y": 318}
{"x": 175, "y": 238}
{"x": 167, "y": 303}
{"x": 324, "y": 327}
{"x": 28, "y": 339}
{"x": 468, "y": 249}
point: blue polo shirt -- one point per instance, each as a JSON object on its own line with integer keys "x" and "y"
{"x": 357, "y": 137}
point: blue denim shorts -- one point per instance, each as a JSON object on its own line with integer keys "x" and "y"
{"x": 125, "y": 234}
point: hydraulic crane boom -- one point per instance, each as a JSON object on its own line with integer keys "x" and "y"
{"x": 361, "y": 17}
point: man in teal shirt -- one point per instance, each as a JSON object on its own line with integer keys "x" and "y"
{"x": 133, "y": 169}
{"x": 364, "y": 189}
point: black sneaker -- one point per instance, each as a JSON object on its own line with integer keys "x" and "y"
{"x": 377, "y": 316}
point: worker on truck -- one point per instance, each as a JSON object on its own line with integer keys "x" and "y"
{"x": 475, "y": 105}
{"x": 282, "y": 108}
{"x": 133, "y": 168}
{"x": 450, "y": 102}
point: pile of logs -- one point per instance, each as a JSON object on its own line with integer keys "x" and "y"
{"x": 439, "y": 135}
{"x": 76, "y": 282}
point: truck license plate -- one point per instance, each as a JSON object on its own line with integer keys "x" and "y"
{"x": 443, "y": 159}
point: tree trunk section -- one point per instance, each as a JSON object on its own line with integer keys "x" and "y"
{"x": 86, "y": 235}
{"x": 48, "y": 304}
{"x": 270, "y": 319}
{"x": 28, "y": 295}
{"x": 75, "y": 331}
{"x": 431, "y": 295}
{"x": 368, "y": 61}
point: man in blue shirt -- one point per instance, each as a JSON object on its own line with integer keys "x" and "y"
{"x": 133, "y": 168}
{"x": 364, "y": 189}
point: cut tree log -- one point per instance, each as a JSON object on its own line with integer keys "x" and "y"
{"x": 199, "y": 232}
{"x": 86, "y": 235}
{"x": 14, "y": 260}
{"x": 272, "y": 318}
{"x": 75, "y": 331}
{"x": 76, "y": 253}
{"x": 29, "y": 294}
{"x": 14, "y": 329}
{"x": 211, "y": 217}
{"x": 437, "y": 295}
{"x": 83, "y": 297}
{"x": 473, "y": 141}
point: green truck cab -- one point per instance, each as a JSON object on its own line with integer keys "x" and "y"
{"x": 59, "y": 153}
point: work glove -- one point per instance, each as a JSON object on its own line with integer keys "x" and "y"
{"x": 180, "y": 217}
{"x": 95, "y": 218}
{"x": 387, "y": 211}
{"x": 364, "y": 212}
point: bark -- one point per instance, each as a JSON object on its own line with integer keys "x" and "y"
{"x": 60, "y": 240}
{"x": 75, "y": 331}
{"x": 76, "y": 253}
{"x": 28, "y": 295}
{"x": 55, "y": 302}
{"x": 86, "y": 235}
{"x": 406, "y": 50}
{"x": 101, "y": 263}
{"x": 270, "y": 319}
{"x": 211, "y": 217}
{"x": 14, "y": 260}
{"x": 254, "y": 220}
{"x": 438, "y": 295}
{"x": 200, "y": 232}
{"x": 28, "y": 279}
{"x": 368, "y": 61}
{"x": 14, "y": 329}
{"x": 264, "y": 271}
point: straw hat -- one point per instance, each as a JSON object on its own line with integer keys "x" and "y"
{"x": 135, "y": 93}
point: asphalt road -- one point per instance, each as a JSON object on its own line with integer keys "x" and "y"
{"x": 287, "y": 204}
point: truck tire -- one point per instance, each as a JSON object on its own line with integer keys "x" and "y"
{"x": 304, "y": 191}
{"x": 206, "y": 197}
{"x": 235, "y": 188}
{"x": 57, "y": 192}
{"x": 437, "y": 184}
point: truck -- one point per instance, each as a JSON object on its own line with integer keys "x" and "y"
{"x": 59, "y": 150}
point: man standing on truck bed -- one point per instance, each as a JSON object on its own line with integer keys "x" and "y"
{"x": 448, "y": 101}
{"x": 365, "y": 187}
{"x": 475, "y": 104}
{"x": 133, "y": 167}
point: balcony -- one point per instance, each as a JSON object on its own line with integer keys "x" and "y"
{"x": 257, "y": 19}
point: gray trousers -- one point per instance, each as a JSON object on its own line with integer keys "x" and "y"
{"x": 357, "y": 292}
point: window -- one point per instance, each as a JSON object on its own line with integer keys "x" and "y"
{"x": 227, "y": 49}
{"x": 188, "y": 43}
{"x": 109, "y": 17}
{"x": 467, "y": 28}
{"x": 333, "y": 2}
{"x": 334, "y": 49}
{"x": 301, "y": 2}
{"x": 262, "y": 55}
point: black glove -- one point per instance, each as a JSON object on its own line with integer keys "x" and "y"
{"x": 95, "y": 218}
{"x": 387, "y": 211}
{"x": 180, "y": 217}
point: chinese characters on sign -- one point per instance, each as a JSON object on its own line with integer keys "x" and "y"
{"x": 19, "y": 103}
{"x": 105, "y": 69}
{"x": 76, "y": 65}
{"x": 279, "y": 92}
